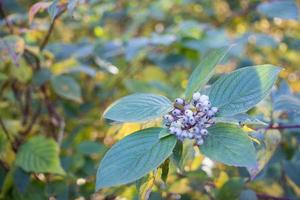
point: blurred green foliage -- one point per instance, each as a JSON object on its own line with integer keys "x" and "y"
{"x": 63, "y": 62}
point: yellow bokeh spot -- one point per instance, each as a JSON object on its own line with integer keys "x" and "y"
{"x": 127, "y": 129}
{"x": 247, "y": 129}
{"x": 99, "y": 31}
{"x": 223, "y": 178}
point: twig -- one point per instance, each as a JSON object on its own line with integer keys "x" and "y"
{"x": 5, "y": 129}
{"x": 269, "y": 197}
{"x": 46, "y": 39}
{"x": 33, "y": 120}
{"x": 281, "y": 127}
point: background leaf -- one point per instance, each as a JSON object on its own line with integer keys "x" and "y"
{"x": 133, "y": 157}
{"x": 242, "y": 89}
{"x": 39, "y": 155}
{"x": 230, "y": 145}
{"x": 284, "y": 9}
{"x": 265, "y": 151}
{"x": 138, "y": 107}
{"x": 204, "y": 71}
{"x": 287, "y": 103}
{"x": 66, "y": 87}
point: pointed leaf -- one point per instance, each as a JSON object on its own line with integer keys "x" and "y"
{"x": 204, "y": 71}
{"x": 39, "y": 155}
{"x": 230, "y": 145}
{"x": 133, "y": 157}
{"x": 138, "y": 107}
{"x": 66, "y": 87}
{"x": 242, "y": 89}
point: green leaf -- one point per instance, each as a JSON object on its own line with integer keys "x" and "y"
{"x": 138, "y": 107}
{"x": 41, "y": 77}
{"x": 164, "y": 133}
{"x": 240, "y": 119}
{"x": 242, "y": 89}
{"x": 230, "y": 145}
{"x": 133, "y": 157}
{"x": 39, "y": 155}
{"x": 287, "y": 103}
{"x": 183, "y": 154}
{"x": 231, "y": 189}
{"x": 204, "y": 71}
{"x": 286, "y": 9}
{"x": 66, "y": 87}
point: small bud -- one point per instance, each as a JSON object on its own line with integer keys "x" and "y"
{"x": 179, "y": 101}
{"x": 196, "y": 96}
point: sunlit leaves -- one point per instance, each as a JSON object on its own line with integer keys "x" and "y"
{"x": 204, "y": 70}
{"x": 138, "y": 107}
{"x": 66, "y": 87}
{"x": 133, "y": 157}
{"x": 230, "y": 145}
{"x": 242, "y": 89}
{"x": 39, "y": 155}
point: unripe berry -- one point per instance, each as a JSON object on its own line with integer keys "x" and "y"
{"x": 196, "y": 96}
{"x": 190, "y": 136}
{"x": 169, "y": 118}
{"x": 188, "y": 113}
{"x": 195, "y": 130}
{"x": 199, "y": 106}
{"x": 176, "y": 112}
{"x": 192, "y": 120}
{"x": 204, "y": 132}
{"x": 178, "y": 132}
{"x": 200, "y": 142}
{"x": 179, "y": 101}
{"x": 210, "y": 113}
{"x": 205, "y": 103}
{"x": 172, "y": 130}
{"x": 214, "y": 109}
{"x": 205, "y": 109}
{"x": 184, "y": 134}
{"x": 203, "y": 98}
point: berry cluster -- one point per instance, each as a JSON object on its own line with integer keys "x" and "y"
{"x": 191, "y": 119}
